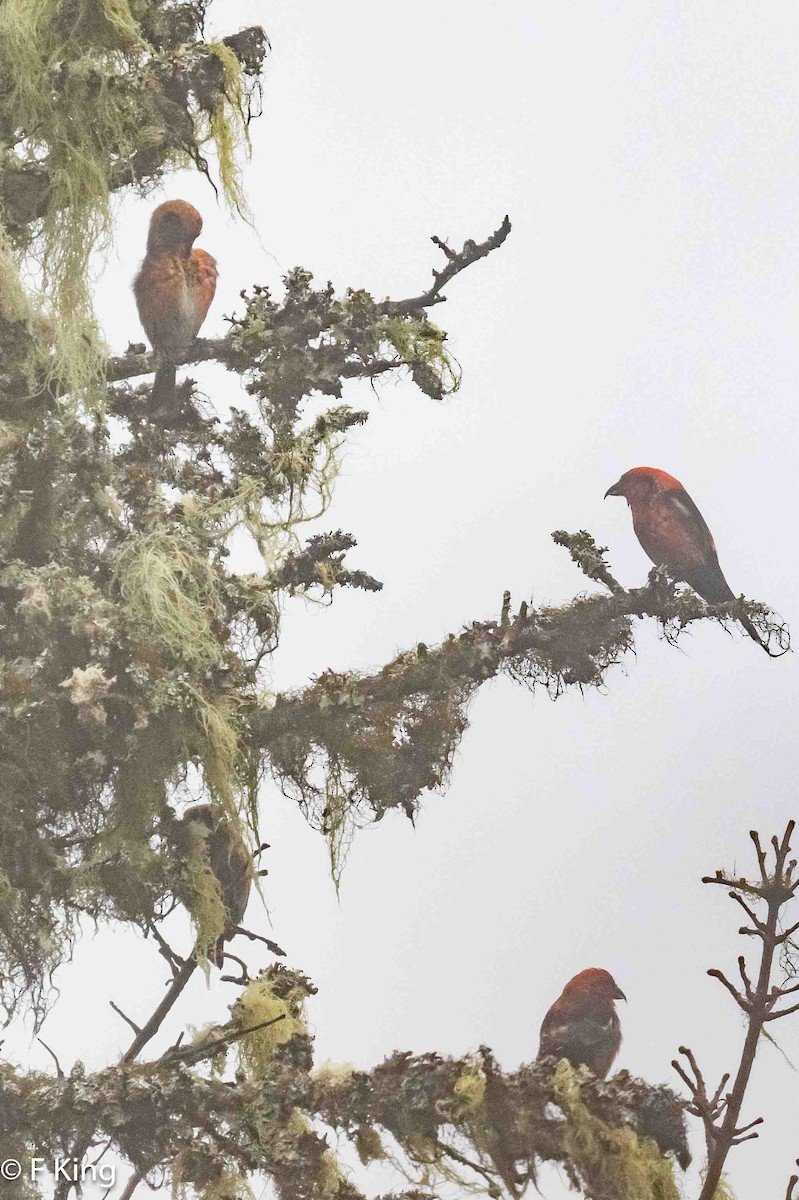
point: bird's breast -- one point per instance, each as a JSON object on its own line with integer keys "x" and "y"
{"x": 666, "y": 536}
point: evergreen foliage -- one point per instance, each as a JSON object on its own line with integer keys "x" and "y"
{"x": 132, "y": 657}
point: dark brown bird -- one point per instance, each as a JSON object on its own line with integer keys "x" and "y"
{"x": 583, "y": 1025}
{"x": 228, "y": 859}
{"x": 173, "y": 289}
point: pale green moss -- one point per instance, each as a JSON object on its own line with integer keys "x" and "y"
{"x": 612, "y": 1160}
{"x": 258, "y": 1003}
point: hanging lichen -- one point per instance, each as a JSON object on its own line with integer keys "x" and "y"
{"x": 615, "y": 1161}
{"x": 60, "y": 60}
{"x": 227, "y": 125}
{"x": 275, "y": 1002}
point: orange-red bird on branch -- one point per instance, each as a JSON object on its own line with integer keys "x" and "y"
{"x": 674, "y": 534}
{"x": 173, "y": 289}
{"x": 583, "y": 1025}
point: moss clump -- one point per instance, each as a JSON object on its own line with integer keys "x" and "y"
{"x": 469, "y": 1091}
{"x": 420, "y": 344}
{"x": 276, "y": 993}
{"x": 612, "y": 1161}
{"x": 369, "y": 1145}
{"x": 172, "y": 594}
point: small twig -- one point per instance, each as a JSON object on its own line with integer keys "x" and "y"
{"x": 174, "y": 960}
{"x": 589, "y": 557}
{"x": 136, "y": 1028}
{"x": 195, "y": 1054}
{"x": 257, "y": 937}
{"x": 54, "y": 1057}
{"x": 457, "y": 1157}
{"x": 736, "y": 995}
{"x": 151, "y": 1027}
{"x": 457, "y": 261}
{"x": 244, "y": 977}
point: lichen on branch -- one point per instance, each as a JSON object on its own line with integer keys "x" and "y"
{"x": 437, "y": 1120}
{"x": 386, "y": 738}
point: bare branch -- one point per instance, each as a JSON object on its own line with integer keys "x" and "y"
{"x": 131, "y": 1185}
{"x": 721, "y": 1118}
{"x": 457, "y": 261}
{"x": 758, "y": 924}
{"x": 736, "y": 995}
{"x": 151, "y": 1027}
{"x": 136, "y": 1028}
{"x": 54, "y": 1057}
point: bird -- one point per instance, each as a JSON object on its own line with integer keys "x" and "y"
{"x": 228, "y": 859}
{"x": 174, "y": 288}
{"x": 674, "y": 534}
{"x": 582, "y": 1025}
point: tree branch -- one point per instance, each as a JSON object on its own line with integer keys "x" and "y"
{"x": 720, "y": 1118}
{"x": 138, "y": 361}
{"x": 423, "y": 694}
{"x": 457, "y": 261}
{"x": 175, "y": 79}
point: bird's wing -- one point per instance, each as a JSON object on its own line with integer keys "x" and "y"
{"x": 705, "y": 576}
{"x": 592, "y": 1041}
{"x": 201, "y": 277}
{"x": 680, "y": 499}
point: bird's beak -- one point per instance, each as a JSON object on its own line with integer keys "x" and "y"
{"x": 619, "y": 995}
{"x": 613, "y": 491}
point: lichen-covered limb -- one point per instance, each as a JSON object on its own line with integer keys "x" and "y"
{"x": 499, "y": 1125}
{"x": 130, "y": 662}
{"x": 392, "y": 734}
{"x": 437, "y": 1120}
{"x": 324, "y": 319}
{"x": 182, "y": 75}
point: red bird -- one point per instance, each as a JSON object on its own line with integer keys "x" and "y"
{"x": 672, "y": 531}
{"x": 173, "y": 289}
{"x": 583, "y": 1025}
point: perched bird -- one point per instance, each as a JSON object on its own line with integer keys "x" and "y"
{"x": 583, "y": 1025}
{"x": 173, "y": 289}
{"x": 228, "y": 859}
{"x": 672, "y": 531}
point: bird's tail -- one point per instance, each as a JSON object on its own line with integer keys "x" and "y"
{"x": 755, "y": 636}
{"x": 163, "y": 394}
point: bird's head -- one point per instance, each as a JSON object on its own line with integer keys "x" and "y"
{"x": 174, "y": 226}
{"x": 641, "y": 483}
{"x": 595, "y": 983}
{"x": 201, "y": 814}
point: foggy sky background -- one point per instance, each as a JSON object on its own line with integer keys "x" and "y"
{"x": 644, "y": 310}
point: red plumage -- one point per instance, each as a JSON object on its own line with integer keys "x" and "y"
{"x": 173, "y": 289}
{"x": 583, "y": 1025}
{"x": 674, "y": 534}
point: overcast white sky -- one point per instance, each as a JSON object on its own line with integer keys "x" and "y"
{"x": 645, "y": 310}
